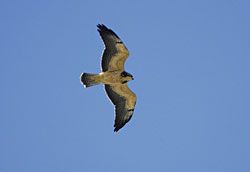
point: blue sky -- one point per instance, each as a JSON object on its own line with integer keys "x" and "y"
{"x": 190, "y": 60}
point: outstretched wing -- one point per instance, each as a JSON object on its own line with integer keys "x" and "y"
{"x": 124, "y": 100}
{"x": 115, "y": 52}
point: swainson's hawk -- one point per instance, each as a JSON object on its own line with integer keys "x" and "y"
{"x": 114, "y": 77}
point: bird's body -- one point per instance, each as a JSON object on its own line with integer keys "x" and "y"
{"x": 108, "y": 77}
{"x": 114, "y": 77}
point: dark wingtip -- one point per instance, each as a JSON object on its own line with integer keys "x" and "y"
{"x": 102, "y": 29}
{"x": 118, "y": 126}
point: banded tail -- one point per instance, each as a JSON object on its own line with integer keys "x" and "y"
{"x": 88, "y": 79}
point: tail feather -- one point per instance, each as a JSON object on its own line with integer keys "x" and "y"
{"x": 88, "y": 79}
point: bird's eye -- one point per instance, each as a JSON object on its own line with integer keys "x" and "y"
{"x": 123, "y": 74}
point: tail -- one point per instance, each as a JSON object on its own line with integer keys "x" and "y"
{"x": 88, "y": 79}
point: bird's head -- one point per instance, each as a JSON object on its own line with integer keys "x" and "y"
{"x": 125, "y": 77}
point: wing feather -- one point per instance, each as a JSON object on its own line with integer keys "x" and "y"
{"x": 124, "y": 100}
{"x": 115, "y": 52}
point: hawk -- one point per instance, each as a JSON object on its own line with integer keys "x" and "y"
{"x": 114, "y": 77}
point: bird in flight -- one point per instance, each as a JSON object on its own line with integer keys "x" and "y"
{"x": 114, "y": 77}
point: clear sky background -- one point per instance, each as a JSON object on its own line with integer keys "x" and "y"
{"x": 191, "y": 63}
